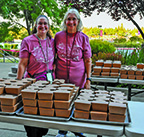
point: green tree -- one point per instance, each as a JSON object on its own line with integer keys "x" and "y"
{"x": 27, "y": 10}
{"x": 133, "y": 32}
{"x": 8, "y": 32}
{"x": 117, "y": 9}
{"x": 86, "y": 31}
{"x": 3, "y": 27}
{"x": 121, "y": 31}
{"x": 22, "y": 34}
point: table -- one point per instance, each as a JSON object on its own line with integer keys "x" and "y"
{"x": 91, "y": 128}
{"x": 119, "y": 80}
{"x": 130, "y": 82}
{"x": 105, "y": 80}
{"x": 136, "y": 127}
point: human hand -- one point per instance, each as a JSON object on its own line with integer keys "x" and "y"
{"x": 87, "y": 84}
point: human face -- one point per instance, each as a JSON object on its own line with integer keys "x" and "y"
{"x": 42, "y": 26}
{"x": 71, "y": 23}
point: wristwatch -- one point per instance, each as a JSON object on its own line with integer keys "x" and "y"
{"x": 88, "y": 79}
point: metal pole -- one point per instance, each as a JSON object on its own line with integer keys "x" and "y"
{"x": 4, "y": 57}
{"x": 129, "y": 92}
{"x": 99, "y": 26}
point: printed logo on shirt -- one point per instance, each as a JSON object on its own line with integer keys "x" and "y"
{"x": 75, "y": 55}
{"x": 37, "y": 53}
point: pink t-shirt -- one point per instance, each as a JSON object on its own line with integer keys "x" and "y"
{"x": 30, "y": 48}
{"x": 74, "y": 67}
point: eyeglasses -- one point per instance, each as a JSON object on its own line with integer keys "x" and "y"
{"x": 41, "y": 23}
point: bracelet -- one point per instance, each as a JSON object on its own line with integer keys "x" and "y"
{"x": 88, "y": 79}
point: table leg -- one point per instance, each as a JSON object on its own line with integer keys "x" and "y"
{"x": 105, "y": 84}
{"x": 129, "y": 92}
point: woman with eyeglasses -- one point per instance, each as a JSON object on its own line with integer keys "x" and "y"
{"x": 37, "y": 51}
{"x": 36, "y": 60}
{"x": 73, "y": 61}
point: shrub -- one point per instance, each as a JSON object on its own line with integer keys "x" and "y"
{"x": 120, "y": 40}
{"x": 141, "y": 56}
{"x": 132, "y": 58}
{"x": 10, "y": 46}
{"x": 7, "y": 46}
{"x": 1, "y": 53}
{"x": 128, "y": 44}
{"x": 135, "y": 38}
{"x": 16, "y": 54}
{"x": 107, "y": 56}
{"x": 14, "y": 46}
{"x": 1, "y": 46}
{"x": 101, "y": 46}
{"x": 135, "y": 57}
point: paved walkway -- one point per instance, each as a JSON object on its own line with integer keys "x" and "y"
{"x": 15, "y": 130}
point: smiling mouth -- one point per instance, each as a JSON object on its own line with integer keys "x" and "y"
{"x": 72, "y": 25}
{"x": 43, "y": 28}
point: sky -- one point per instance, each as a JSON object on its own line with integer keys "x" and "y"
{"x": 105, "y": 20}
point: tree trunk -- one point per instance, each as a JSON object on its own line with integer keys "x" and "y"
{"x": 133, "y": 21}
{"x": 27, "y": 22}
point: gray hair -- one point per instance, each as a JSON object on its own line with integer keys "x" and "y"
{"x": 74, "y": 11}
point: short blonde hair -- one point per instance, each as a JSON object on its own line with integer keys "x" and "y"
{"x": 80, "y": 25}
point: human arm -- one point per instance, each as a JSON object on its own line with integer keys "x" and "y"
{"x": 87, "y": 63}
{"x": 22, "y": 67}
{"x": 87, "y": 59}
{"x": 55, "y": 55}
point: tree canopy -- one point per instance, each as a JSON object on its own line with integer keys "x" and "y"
{"x": 117, "y": 9}
{"x": 28, "y": 10}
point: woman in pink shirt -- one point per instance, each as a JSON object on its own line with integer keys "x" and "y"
{"x": 37, "y": 51}
{"x": 36, "y": 60}
{"x": 73, "y": 54}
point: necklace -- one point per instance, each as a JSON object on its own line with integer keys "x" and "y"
{"x": 69, "y": 61}
{"x": 47, "y": 41}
